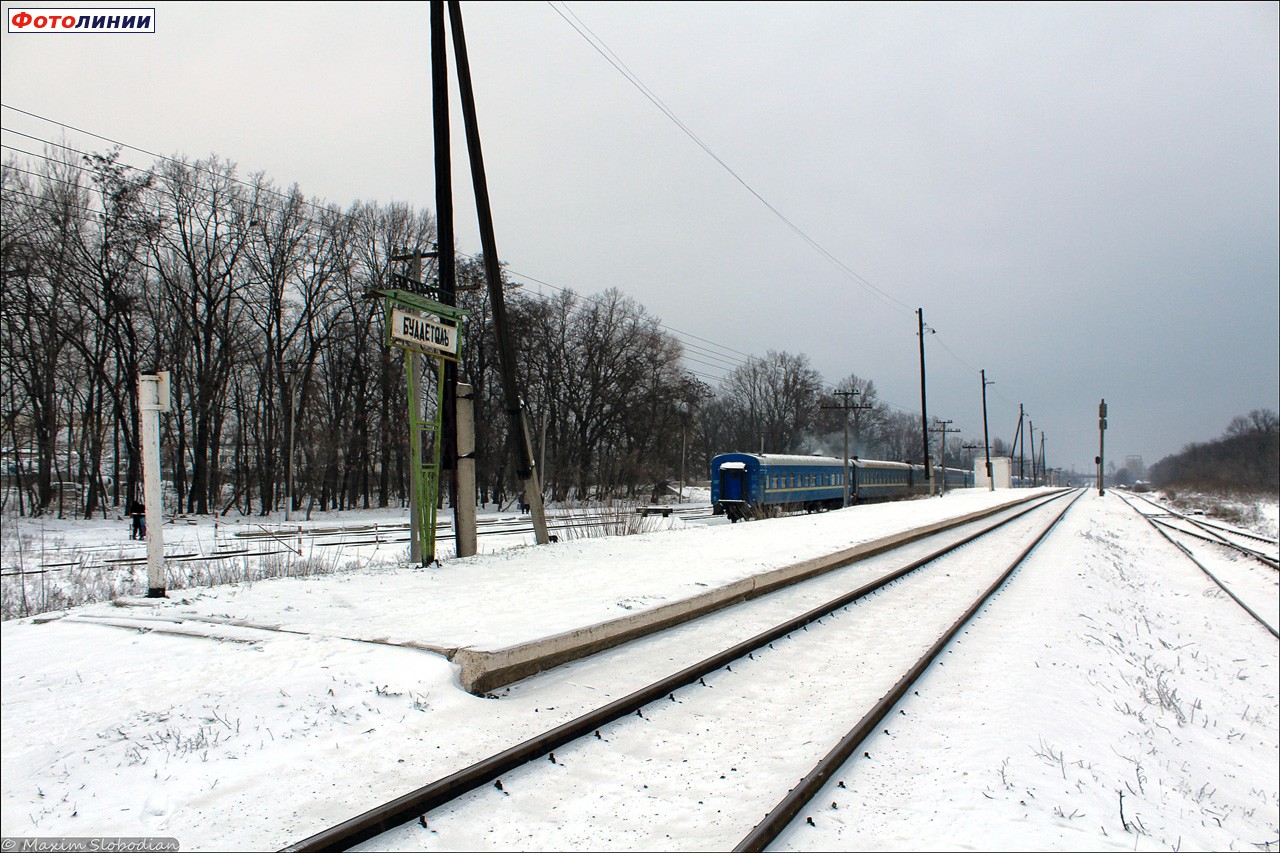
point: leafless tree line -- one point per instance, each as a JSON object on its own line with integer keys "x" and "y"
{"x": 1245, "y": 458}
{"x": 254, "y": 298}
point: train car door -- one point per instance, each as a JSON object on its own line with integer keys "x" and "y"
{"x": 733, "y": 481}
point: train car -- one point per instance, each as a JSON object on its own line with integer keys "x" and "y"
{"x": 883, "y": 481}
{"x": 955, "y": 478}
{"x": 746, "y": 485}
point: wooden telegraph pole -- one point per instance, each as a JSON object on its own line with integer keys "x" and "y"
{"x": 986, "y": 436}
{"x": 526, "y": 468}
{"x": 942, "y": 428}
{"x": 924, "y": 408}
{"x": 847, "y": 407}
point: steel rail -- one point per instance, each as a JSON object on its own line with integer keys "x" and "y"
{"x": 1187, "y": 553}
{"x": 1234, "y": 532}
{"x": 1215, "y": 539}
{"x": 782, "y": 814}
{"x": 1216, "y": 530}
{"x": 417, "y": 803}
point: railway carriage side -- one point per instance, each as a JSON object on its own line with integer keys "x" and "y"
{"x": 881, "y": 481}
{"x": 749, "y": 485}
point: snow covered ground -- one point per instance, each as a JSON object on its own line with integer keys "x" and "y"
{"x": 1108, "y": 667}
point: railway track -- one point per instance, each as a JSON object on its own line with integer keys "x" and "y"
{"x": 909, "y": 604}
{"x": 279, "y": 540}
{"x": 1253, "y": 589}
{"x": 1218, "y": 534}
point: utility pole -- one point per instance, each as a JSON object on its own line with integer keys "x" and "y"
{"x": 942, "y": 428}
{"x": 1031, "y": 431}
{"x": 969, "y": 465}
{"x": 293, "y": 421}
{"x": 1020, "y": 443}
{"x": 1044, "y": 470}
{"x": 464, "y": 511}
{"x": 153, "y": 398}
{"x": 526, "y": 467}
{"x": 453, "y": 442}
{"x": 924, "y": 409}
{"x": 847, "y": 407}
{"x": 1102, "y": 434}
{"x": 986, "y": 437}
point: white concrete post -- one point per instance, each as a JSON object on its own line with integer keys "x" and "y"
{"x": 464, "y": 514}
{"x": 153, "y": 398}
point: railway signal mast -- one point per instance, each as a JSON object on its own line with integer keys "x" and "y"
{"x": 1102, "y": 435}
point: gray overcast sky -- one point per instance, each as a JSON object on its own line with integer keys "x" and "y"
{"x": 1082, "y": 197}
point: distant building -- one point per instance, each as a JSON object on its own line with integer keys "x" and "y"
{"x": 1135, "y": 467}
{"x": 1001, "y": 472}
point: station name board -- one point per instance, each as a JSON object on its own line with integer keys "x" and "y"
{"x": 423, "y": 333}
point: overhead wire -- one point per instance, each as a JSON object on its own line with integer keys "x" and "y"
{"x": 727, "y": 363}
{"x": 612, "y": 58}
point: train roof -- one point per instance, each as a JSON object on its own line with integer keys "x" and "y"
{"x": 781, "y": 459}
{"x": 797, "y": 459}
{"x": 877, "y": 463}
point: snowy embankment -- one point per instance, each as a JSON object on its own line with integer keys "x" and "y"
{"x": 1107, "y": 667}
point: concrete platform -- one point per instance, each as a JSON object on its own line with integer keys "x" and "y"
{"x": 504, "y": 616}
{"x": 485, "y": 669}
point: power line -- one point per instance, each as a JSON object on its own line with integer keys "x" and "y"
{"x": 612, "y": 58}
{"x": 728, "y": 357}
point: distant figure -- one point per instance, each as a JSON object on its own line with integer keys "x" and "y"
{"x": 139, "y": 513}
{"x": 524, "y": 507}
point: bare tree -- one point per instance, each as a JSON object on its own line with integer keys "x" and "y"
{"x": 775, "y": 399}
{"x": 199, "y": 255}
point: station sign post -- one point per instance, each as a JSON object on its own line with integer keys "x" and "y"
{"x": 423, "y": 327}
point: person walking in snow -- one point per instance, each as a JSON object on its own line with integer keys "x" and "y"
{"x": 139, "y": 513}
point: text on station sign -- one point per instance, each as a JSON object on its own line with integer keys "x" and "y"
{"x": 423, "y": 332}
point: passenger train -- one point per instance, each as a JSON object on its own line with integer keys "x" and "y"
{"x": 749, "y": 485}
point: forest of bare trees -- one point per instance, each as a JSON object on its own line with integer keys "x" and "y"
{"x": 1245, "y": 458}
{"x": 254, "y": 298}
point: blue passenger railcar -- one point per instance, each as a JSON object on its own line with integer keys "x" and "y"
{"x": 745, "y": 485}
{"x": 881, "y": 481}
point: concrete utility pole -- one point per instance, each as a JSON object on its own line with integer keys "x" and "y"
{"x": 464, "y": 510}
{"x": 847, "y": 407}
{"x": 942, "y": 428}
{"x": 986, "y": 437}
{"x": 924, "y": 408}
{"x": 153, "y": 398}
